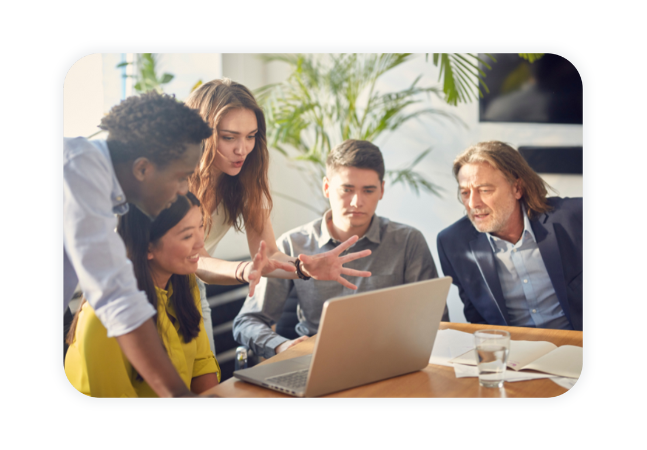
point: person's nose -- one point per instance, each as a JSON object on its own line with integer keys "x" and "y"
{"x": 356, "y": 201}
{"x": 199, "y": 242}
{"x": 474, "y": 200}
{"x": 241, "y": 148}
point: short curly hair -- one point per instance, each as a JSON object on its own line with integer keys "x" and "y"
{"x": 152, "y": 125}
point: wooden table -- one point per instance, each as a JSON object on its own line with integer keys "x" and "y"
{"x": 433, "y": 381}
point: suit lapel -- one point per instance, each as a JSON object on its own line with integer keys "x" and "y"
{"x": 550, "y": 253}
{"x": 482, "y": 252}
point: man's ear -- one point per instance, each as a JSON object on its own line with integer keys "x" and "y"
{"x": 517, "y": 188}
{"x": 382, "y": 187}
{"x": 325, "y": 187}
{"x": 142, "y": 168}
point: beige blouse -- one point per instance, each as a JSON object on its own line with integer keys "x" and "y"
{"x": 218, "y": 229}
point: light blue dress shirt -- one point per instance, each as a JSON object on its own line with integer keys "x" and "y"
{"x": 529, "y": 294}
{"x": 94, "y": 256}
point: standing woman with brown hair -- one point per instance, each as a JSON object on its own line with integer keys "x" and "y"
{"x": 232, "y": 184}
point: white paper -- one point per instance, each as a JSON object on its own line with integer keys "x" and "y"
{"x": 450, "y": 344}
{"x": 566, "y": 361}
{"x": 525, "y": 352}
{"x": 564, "y": 382}
{"x": 463, "y": 371}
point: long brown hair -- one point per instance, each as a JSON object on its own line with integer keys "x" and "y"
{"x": 247, "y": 195}
{"x": 503, "y": 157}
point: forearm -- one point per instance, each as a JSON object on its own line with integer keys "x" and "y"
{"x": 255, "y": 332}
{"x": 217, "y": 271}
{"x": 204, "y": 382}
{"x": 143, "y": 348}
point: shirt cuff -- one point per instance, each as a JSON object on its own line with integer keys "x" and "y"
{"x": 205, "y": 366}
{"x": 123, "y": 315}
{"x": 271, "y": 344}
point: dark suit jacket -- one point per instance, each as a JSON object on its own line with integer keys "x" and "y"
{"x": 466, "y": 256}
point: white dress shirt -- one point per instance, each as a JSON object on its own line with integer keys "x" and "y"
{"x": 94, "y": 256}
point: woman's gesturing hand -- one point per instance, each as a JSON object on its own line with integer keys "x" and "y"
{"x": 262, "y": 265}
{"x": 329, "y": 265}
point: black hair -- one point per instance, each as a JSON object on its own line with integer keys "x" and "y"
{"x": 137, "y": 232}
{"x": 154, "y": 126}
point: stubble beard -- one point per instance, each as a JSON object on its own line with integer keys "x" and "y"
{"x": 497, "y": 220}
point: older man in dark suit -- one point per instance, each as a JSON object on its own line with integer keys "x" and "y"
{"x": 516, "y": 257}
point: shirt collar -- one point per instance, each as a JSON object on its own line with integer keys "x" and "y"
{"x": 164, "y": 300}
{"x": 496, "y": 242}
{"x": 117, "y": 196}
{"x": 372, "y": 234}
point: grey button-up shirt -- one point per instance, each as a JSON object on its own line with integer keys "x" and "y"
{"x": 399, "y": 255}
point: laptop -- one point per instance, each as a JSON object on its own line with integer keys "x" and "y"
{"x": 363, "y": 338}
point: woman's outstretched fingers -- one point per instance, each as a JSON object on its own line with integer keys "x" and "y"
{"x": 258, "y": 263}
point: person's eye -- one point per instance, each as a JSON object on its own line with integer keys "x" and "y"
{"x": 369, "y": 191}
{"x": 228, "y": 138}
{"x": 189, "y": 236}
{"x": 464, "y": 194}
{"x": 253, "y": 136}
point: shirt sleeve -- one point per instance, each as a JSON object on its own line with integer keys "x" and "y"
{"x": 252, "y": 325}
{"x": 205, "y": 361}
{"x": 419, "y": 264}
{"x": 206, "y": 315}
{"x": 95, "y": 250}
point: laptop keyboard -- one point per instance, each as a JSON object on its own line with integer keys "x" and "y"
{"x": 292, "y": 380}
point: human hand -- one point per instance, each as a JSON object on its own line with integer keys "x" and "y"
{"x": 329, "y": 265}
{"x": 287, "y": 344}
{"x": 261, "y": 266}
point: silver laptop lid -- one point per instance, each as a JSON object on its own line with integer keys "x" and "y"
{"x": 376, "y": 335}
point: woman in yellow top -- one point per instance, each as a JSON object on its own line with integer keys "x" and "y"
{"x": 165, "y": 255}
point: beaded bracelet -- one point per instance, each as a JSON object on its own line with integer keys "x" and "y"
{"x": 240, "y": 281}
{"x": 297, "y": 263}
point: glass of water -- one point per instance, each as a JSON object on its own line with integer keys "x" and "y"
{"x": 492, "y": 349}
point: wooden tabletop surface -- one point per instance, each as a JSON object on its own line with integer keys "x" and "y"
{"x": 433, "y": 381}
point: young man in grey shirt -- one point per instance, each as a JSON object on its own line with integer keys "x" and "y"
{"x": 399, "y": 253}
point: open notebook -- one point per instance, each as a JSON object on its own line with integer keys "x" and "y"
{"x": 542, "y": 356}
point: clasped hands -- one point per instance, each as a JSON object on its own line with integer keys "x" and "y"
{"x": 323, "y": 266}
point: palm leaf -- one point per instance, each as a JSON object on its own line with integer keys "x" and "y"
{"x": 531, "y": 57}
{"x": 330, "y": 98}
{"x": 461, "y": 75}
